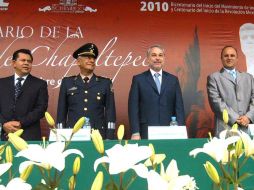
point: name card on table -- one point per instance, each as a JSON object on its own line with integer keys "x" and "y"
{"x": 65, "y": 134}
{"x": 167, "y": 132}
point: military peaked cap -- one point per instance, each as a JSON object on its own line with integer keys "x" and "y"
{"x": 88, "y": 49}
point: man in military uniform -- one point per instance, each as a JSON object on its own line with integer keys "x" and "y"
{"x": 87, "y": 95}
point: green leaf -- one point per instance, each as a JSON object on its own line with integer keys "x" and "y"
{"x": 226, "y": 174}
{"x": 41, "y": 186}
{"x": 231, "y": 147}
{"x": 244, "y": 176}
{"x": 111, "y": 186}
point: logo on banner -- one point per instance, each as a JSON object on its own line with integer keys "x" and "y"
{"x": 3, "y": 5}
{"x": 67, "y": 6}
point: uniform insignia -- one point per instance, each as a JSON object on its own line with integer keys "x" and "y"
{"x": 73, "y": 88}
{"x": 71, "y": 76}
{"x": 102, "y": 77}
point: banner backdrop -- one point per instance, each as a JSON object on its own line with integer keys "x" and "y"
{"x": 192, "y": 33}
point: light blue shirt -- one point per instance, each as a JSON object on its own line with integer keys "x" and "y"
{"x": 160, "y": 77}
{"x": 229, "y": 70}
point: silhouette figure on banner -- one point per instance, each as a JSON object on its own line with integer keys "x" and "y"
{"x": 246, "y": 33}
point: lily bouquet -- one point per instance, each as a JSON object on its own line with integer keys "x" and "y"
{"x": 231, "y": 151}
{"x": 49, "y": 158}
{"x": 168, "y": 179}
{"x": 121, "y": 158}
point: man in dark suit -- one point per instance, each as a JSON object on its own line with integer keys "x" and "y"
{"x": 23, "y": 99}
{"x": 154, "y": 97}
{"x": 87, "y": 95}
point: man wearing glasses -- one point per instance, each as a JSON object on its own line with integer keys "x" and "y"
{"x": 23, "y": 99}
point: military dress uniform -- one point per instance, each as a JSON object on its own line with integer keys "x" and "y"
{"x": 93, "y": 99}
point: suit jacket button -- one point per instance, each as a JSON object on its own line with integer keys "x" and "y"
{"x": 86, "y": 91}
{"x": 85, "y": 100}
{"x": 85, "y": 109}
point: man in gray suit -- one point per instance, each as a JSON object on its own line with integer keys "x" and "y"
{"x": 232, "y": 90}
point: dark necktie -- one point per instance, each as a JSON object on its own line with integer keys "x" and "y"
{"x": 86, "y": 79}
{"x": 18, "y": 87}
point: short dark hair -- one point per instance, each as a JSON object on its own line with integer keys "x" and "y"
{"x": 25, "y": 51}
{"x": 225, "y": 47}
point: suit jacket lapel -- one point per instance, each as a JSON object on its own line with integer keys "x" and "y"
{"x": 238, "y": 77}
{"x": 79, "y": 81}
{"x": 163, "y": 82}
{"x": 150, "y": 80}
{"x": 11, "y": 87}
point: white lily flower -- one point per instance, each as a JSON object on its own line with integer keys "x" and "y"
{"x": 175, "y": 182}
{"x": 216, "y": 148}
{"x": 232, "y": 132}
{"x": 248, "y": 144}
{"x": 4, "y": 168}
{"x": 119, "y": 158}
{"x": 182, "y": 182}
{"x": 155, "y": 182}
{"x": 188, "y": 182}
{"x": 16, "y": 183}
{"x": 141, "y": 170}
{"x": 171, "y": 171}
{"x": 51, "y": 156}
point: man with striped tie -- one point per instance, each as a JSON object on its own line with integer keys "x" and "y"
{"x": 23, "y": 98}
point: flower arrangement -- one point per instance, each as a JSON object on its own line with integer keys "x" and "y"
{"x": 121, "y": 158}
{"x": 231, "y": 151}
{"x": 49, "y": 158}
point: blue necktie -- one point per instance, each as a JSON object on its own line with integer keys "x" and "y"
{"x": 233, "y": 74}
{"x": 157, "y": 81}
{"x": 18, "y": 87}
